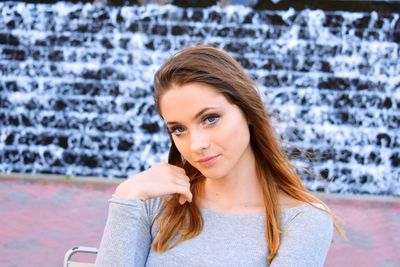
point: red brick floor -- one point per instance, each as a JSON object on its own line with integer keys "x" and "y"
{"x": 41, "y": 220}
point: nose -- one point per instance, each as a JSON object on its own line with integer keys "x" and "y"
{"x": 199, "y": 141}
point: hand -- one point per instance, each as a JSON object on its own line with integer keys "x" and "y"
{"x": 159, "y": 180}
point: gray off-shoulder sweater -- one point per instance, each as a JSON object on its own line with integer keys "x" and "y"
{"x": 226, "y": 239}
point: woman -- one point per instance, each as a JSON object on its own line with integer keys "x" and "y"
{"x": 228, "y": 195}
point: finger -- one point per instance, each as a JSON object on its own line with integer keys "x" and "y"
{"x": 182, "y": 199}
{"x": 181, "y": 179}
{"x": 181, "y": 182}
{"x": 176, "y": 188}
{"x": 178, "y": 169}
{"x": 185, "y": 191}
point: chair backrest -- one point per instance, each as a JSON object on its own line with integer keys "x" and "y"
{"x": 68, "y": 262}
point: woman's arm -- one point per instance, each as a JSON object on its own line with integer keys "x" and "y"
{"x": 126, "y": 239}
{"x": 306, "y": 236}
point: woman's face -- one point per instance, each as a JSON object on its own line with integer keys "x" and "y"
{"x": 209, "y": 132}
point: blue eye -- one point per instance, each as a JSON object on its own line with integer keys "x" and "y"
{"x": 211, "y": 119}
{"x": 177, "y": 130}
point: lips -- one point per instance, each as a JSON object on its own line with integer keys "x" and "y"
{"x": 207, "y": 161}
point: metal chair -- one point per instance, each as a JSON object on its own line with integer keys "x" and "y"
{"x": 68, "y": 262}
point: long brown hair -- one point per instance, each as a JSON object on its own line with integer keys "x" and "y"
{"x": 214, "y": 67}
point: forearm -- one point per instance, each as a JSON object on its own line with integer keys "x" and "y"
{"x": 126, "y": 239}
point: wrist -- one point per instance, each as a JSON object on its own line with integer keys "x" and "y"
{"x": 125, "y": 192}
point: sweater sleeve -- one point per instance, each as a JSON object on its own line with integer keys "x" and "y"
{"x": 305, "y": 239}
{"x": 126, "y": 240}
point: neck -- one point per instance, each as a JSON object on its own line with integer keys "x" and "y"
{"x": 239, "y": 189}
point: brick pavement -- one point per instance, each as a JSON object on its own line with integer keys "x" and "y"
{"x": 41, "y": 220}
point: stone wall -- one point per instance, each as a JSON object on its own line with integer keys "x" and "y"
{"x": 76, "y": 99}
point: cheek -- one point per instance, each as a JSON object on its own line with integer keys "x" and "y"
{"x": 235, "y": 135}
{"x": 183, "y": 148}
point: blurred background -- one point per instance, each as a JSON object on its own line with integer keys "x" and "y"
{"x": 76, "y": 105}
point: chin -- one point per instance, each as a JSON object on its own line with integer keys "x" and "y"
{"x": 214, "y": 175}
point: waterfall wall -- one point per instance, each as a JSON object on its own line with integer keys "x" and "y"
{"x": 76, "y": 99}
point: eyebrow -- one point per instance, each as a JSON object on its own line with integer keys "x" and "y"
{"x": 201, "y": 112}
